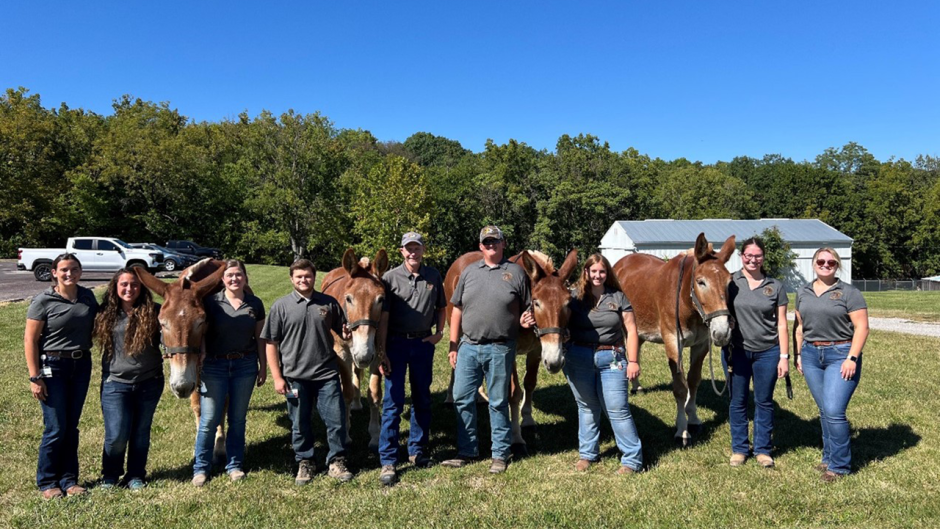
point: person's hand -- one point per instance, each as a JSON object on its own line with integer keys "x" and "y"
{"x": 385, "y": 367}
{"x": 799, "y": 364}
{"x": 39, "y": 390}
{"x": 783, "y": 367}
{"x": 347, "y": 334}
{"x": 848, "y": 369}
{"x": 262, "y": 377}
{"x": 452, "y": 356}
{"x": 280, "y": 386}
{"x": 434, "y": 338}
{"x": 633, "y": 370}
{"x": 527, "y": 320}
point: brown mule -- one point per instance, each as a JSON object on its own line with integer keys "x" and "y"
{"x": 652, "y": 285}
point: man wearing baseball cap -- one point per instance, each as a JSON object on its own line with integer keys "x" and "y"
{"x": 414, "y": 302}
{"x": 488, "y": 300}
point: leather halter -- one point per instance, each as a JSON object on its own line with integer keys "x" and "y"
{"x": 562, "y": 331}
{"x": 706, "y": 317}
{"x": 358, "y": 323}
{"x": 170, "y": 352}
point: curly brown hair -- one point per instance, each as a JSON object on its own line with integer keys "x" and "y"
{"x": 583, "y": 286}
{"x": 142, "y": 325}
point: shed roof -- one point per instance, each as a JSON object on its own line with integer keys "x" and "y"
{"x": 667, "y": 231}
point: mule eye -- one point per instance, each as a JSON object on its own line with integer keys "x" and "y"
{"x": 164, "y": 324}
{"x": 379, "y": 300}
{"x": 349, "y": 298}
{"x": 702, "y": 283}
{"x": 537, "y": 303}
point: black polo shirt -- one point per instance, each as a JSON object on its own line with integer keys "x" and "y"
{"x": 232, "y": 330}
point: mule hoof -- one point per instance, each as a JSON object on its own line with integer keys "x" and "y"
{"x": 519, "y": 450}
{"x": 694, "y": 428}
{"x": 682, "y": 442}
{"x": 637, "y": 391}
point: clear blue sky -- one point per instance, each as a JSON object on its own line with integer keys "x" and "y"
{"x": 703, "y": 80}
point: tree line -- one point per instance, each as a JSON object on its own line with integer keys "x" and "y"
{"x": 269, "y": 188}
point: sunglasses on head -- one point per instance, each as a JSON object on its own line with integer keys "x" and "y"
{"x": 823, "y": 262}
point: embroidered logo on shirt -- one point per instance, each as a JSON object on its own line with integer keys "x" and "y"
{"x": 611, "y": 306}
{"x": 768, "y": 290}
{"x": 430, "y": 286}
{"x": 507, "y": 276}
{"x": 836, "y": 295}
{"x": 323, "y": 312}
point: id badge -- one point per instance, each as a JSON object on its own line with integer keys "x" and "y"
{"x": 46, "y": 371}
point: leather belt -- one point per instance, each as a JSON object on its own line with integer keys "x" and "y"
{"x": 74, "y": 355}
{"x": 232, "y": 356}
{"x": 827, "y": 344}
{"x": 413, "y": 335}
{"x": 488, "y": 341}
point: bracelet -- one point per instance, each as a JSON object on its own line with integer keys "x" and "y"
{"x": 785, "y": 356}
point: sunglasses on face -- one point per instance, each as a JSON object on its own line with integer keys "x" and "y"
{"x": 822, "y": 262}
{"x": 490, "y": 242}
{"x": 749, "y": 257}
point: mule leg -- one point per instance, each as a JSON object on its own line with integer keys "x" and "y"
{"x": 698, "y": 353}
{"x": 349, "y": 392}
{"x": 375, "y": 407}
{"x": 529, "y": 382}
{"x": 515, "y": 402}
{"x": 218, "y": 451}
{"x": 356, "y": 403}
{"x": 680, "y": 390}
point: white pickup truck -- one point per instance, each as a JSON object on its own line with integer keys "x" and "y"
{"x": 97, "y": 254}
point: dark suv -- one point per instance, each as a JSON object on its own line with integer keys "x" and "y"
{"x": 192, "y": 248}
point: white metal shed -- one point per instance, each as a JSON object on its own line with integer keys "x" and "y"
{"x": 667, "y": 238}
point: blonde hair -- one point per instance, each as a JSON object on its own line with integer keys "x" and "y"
{"x": 831, "y": 252}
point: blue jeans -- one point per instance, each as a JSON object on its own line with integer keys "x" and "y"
{"x": 234, "y": 379}
{"x": 822, "y": 368}
{"x": 762, "y": 368}
{"x": 61, "y": 411}
{"x": 417, "y": 356}
{"x": 597, "y": 387}
{"x": 327, "y": 396}
{"x": 474, "y": 362}
{"x": 128, "y": 414}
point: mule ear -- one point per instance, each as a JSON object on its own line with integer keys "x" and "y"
{"x": 203, "y": 287}
{"x": 702, "y": 251}
{"x": 571, "y": 262}
{"x": 350, "y": 263}
{"x": 531, "y": 267}
{"x": 158, "y": 287}
{"x": 727, "y": 250}
{"x": 380, "y": 263}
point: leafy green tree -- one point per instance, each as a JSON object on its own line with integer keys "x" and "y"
{"x": 687, "y": 191}
{"x": 429, "y": 150}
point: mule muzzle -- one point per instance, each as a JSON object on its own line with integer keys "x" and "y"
{"x": 720, "y": 330}
{"x": 183, "y": 390}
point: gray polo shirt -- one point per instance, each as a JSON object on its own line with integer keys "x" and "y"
{"x": 232, "y": 330}
{"x": 412, "y": 301}
{"x": 601, "y": 324}
{"x": 68, "y": 325}
{"x": 755, "y": 312}
{"x": 826, "y": 317}
{"x": 491, "y": 300}
{"x": 301, "y": 329}
{"x": 131, "y": 369}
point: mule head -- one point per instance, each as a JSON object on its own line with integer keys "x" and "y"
{"x": 362, "y": 301}
{"x": 183, "y": 319}
{"x": 550, "y": 308}
{"x": 710, "y": 283}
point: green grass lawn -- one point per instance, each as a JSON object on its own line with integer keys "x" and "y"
{"x": 896, "y": 444}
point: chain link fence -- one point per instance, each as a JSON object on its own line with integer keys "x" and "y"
{"x": 879, "y": 285}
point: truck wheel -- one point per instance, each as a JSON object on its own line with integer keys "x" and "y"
{"x": 169, "y": 265}
{"x": 43, "y": 272}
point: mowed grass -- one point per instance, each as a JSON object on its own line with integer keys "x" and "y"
{"x": 910, "y": 305}
{"x": 896, "y": 440}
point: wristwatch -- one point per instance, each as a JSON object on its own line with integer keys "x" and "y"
{"x": 853, "y": 358}
{"x": 35, "y": 379}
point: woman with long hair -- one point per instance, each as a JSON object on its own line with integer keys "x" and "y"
{"x": 831, "y": 330}
{"x": 759, "y": 348}
{"x": 601, "y": 359}
{"x": 234, "y": 363}
{"x": 57, "y": 343}
{"x": 128, "y": 334}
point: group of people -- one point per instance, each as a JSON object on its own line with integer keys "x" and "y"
{"x": 491, "y": 304}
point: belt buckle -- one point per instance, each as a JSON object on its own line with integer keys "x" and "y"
{"x": 75, "y": 355}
